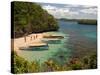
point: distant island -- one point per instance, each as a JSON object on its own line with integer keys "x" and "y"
{"x": 87, "y": 21}
{"x": 31, "y": 18}
{"x": 82, "y": 21}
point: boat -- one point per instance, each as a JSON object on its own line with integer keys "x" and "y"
{"x": 52, "y": 40}
{"x": 54, "y": 37}
{"x": 36, "y": 47}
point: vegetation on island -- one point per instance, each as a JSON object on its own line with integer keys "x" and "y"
{"x": 82, "y": 21}
{"x": 29, "y": 18}
{"x": 20, "y": 65}
{"x": 65, "y": 19}
{"x": 87, "y": 21}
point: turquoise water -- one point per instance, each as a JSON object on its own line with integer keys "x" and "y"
{"x": 82, "y": 38}
{"x": 79, "y": 40}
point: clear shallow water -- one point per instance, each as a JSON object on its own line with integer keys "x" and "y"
{"x": 82, "y": 38}
{"x": 79, "y": 40}
{"x": 43, "y": 55}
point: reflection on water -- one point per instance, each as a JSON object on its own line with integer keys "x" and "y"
{"x": 79, "y": 40}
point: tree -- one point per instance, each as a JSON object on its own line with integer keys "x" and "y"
{"x": 31, "y": 18}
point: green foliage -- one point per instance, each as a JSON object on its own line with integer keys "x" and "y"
{"x": 31, "y": 18}
{"x": 76, "y": 66}
{"x": 82, "y": 21}
{"x": 87, "y": 21}
{"x": 92, "y": 61}
{"x": 20, "y": 65}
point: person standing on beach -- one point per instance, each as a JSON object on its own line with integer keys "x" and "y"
{"x": 24, "y": 30}
{"x": 36, "y": 36}
{"x": 25, "y": 38}
{"x": 31, "y": 38}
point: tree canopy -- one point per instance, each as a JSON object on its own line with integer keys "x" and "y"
{"x": 29, "y": 17}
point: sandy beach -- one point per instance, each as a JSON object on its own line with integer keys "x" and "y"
{"x": 32, "y": 39}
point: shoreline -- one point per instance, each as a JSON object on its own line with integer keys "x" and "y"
{"x": 32, "y": 39}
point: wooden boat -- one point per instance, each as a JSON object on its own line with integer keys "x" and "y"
{"x": 51, "y": 36}
{"x": 52, "y": 40}
{"x": 36, "y": 47}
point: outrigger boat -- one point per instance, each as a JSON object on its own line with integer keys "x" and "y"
{"x": 39, "y": 46}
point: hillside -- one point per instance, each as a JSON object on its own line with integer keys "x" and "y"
{"x": 28, "y": 17}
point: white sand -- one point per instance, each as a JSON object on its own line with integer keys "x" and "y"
{"x": 20, "y": 42}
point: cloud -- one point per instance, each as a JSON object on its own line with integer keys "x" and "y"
{"x": 88, "y": 6}
{"x": 55, "y": 11}
{"x": 71, "y": 6}
{"x": 71, "y": 11}
{"x": 89, "y": 11}
{"x": 49, "y": 7}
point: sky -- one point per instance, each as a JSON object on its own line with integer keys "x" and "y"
{"x": 70, "y": 11}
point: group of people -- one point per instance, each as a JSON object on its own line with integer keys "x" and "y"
{"x": 31, "y": 37}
